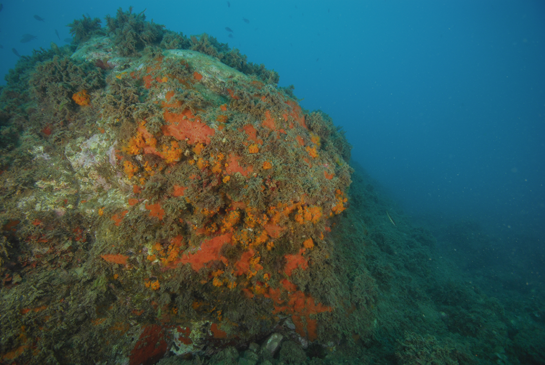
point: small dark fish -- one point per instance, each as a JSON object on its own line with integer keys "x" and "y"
{"x": 228, "y": 4}
{"x": 230, "y": 36}
{"x": 1, "y": 7}
{"x": 15, "y": 52}
{"x": 39, "y": 18}
{"x": 27, "y": 38}
{"x": 317, "y": 59}
{"x": 57, "y": 33}
{"x": 246, "y": 21}
{"x": 228, "y": 29}
{"x": 68, "y": 40}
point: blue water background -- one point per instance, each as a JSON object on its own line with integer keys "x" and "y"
{"x": 443, "y": 101}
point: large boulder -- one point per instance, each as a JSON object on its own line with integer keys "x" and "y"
{"x": 157, "y": 200}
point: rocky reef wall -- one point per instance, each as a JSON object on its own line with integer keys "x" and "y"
{"x": 158, "y": 200}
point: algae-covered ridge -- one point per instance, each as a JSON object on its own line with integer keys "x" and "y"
{"x": 158, "y": 200}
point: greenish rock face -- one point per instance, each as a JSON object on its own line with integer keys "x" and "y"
{"x": 272, "y": 344}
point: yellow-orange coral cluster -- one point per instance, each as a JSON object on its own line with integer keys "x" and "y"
{"x": 308, "y": 214}
{"x": 230, "y": 220}
{"x": 312, "y": 151}
{"x": 315, "y": 139}
{"x": 217, "y": 281}
{"x": 198, "y": 148}
{"x": 254, "y": 148}
{"x": 81, "y": 98}
{"x": 173, "y": 153}
{"x": 153, "y": 285}
{"x": 340, "y": 199}
{"x": 142, "y": 139}
{"x": 216, "y": 161}
{"x": 309, "y": 243}
{"x": 130, "y": 169}
{"x": 169, "y": 255}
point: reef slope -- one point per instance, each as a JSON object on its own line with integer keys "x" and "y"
{"x": 164, "y": 201}
{"x": 157, "y": 200}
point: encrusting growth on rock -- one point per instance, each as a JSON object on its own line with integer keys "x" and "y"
{"x": 191, "y": 196}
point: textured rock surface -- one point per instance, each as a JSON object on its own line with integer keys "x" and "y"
{"x": 162, "y": 201}
{"x": 272, "y": 343}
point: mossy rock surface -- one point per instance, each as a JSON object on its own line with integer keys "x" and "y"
{"x": 164, "y": 203}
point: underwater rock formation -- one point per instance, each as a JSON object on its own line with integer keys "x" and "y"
{"x": 160, "y": 201}
{"x": 164, "y": 201}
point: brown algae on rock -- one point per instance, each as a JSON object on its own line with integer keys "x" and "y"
{"x": 161, "y": 199}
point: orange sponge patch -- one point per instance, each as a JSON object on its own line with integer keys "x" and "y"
{"x": 248, "y": 264}
{"x": 118, "y": 218}
{"x": 217, "y": 332}
{"x": 296, "y": 113}
{"x": 251, "y": 132}
{"x": 269, "y": 121}
{"x": 186, "y": 125}
{"x": 115, "y": 259}
{"x": 179, "y": 190}
{"x": 197, "y": 76}
{"x": 209, "y": 251}
{"x": 234, "y": 167}
{"x": 155, "y": 210}
{"x": 273, "y": 230}
{"x": 295, "y": 261}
